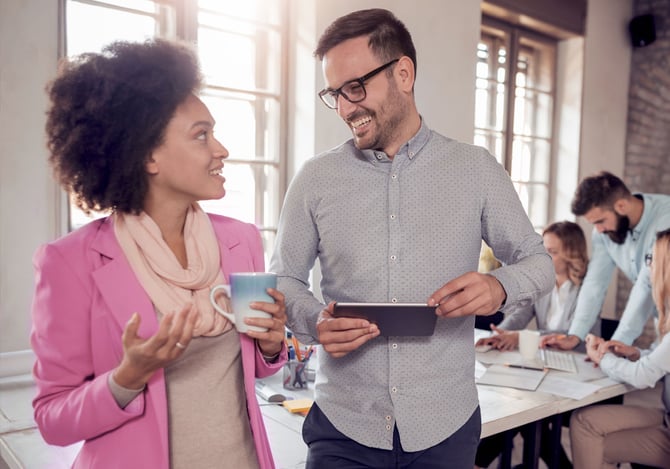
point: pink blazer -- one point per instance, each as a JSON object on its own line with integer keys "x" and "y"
{"x": 85, "y": 294}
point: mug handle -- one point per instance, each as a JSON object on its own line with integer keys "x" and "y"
{"x": 212, "y": 300}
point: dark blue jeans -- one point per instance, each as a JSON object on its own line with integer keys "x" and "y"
{"x": 328, "y": 448}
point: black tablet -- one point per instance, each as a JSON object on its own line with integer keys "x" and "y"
{"x": 393, "y": 319}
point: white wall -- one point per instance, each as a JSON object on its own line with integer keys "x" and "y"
{"x": 28, "y": 197}
{"x": 445, "y": 33}
{"x": 607, "y": 55}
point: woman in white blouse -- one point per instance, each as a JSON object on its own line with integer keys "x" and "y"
{"x": 566, "y": 244}
{"x": 603, "y": 436}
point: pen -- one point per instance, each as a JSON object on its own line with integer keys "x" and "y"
{"x": 296, "y": 346}
{"x": 512, "y": 365}
{"x": 310, "y": 350}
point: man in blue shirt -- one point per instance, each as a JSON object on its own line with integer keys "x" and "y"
{"x": 625, "y": 227}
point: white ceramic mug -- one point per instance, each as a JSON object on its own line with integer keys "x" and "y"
{"x": 529, "y": 342}
{"x": 244, "y": 288}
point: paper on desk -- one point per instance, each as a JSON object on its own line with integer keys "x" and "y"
{"x": 497, "y": 357}
{"x": 480, "y": 369}
{"x": 586, "y": 371}
{"x": 559, "y": 385}
{"x": 520, "y": 378}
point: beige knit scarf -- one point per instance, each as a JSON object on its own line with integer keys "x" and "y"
{"x": 167, "y": 283}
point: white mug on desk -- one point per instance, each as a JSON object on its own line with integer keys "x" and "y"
{"x": 244, "y": 288}
{"x": 529, "y": 341}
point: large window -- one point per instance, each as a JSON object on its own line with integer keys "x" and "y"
{"x": 242, "y": 51}
{"x": 514, "y": 107}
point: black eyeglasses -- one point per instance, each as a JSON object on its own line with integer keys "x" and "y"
{"x": 353, "y": 90}
{"x": 647, "y": 259}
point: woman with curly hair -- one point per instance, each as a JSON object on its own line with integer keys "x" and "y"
{"x": 604, "y": 436}
{"x": 131, "y": 357}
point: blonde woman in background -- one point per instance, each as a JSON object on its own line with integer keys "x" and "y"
{"x": 566, "y": 244}
{"x": 603, "y": 436}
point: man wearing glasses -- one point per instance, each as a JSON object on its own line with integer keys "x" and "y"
{"x": 397, "y": 215}
{"x": 624, "y": 232}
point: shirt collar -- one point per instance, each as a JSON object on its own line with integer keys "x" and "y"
{"x": 411, "y": 148}
{"x": 645, "y": 219}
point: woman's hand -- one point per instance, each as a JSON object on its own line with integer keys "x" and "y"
{"x": 559, "y": 341}
{"x": 142, "y": 357}
{"x": 501, "y": 340}
{"x": 593, "y": 348}
{"x": 620, "y": 350}
{"x": 270, "y": 341}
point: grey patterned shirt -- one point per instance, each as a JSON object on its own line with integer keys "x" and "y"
{"x": 395, "y": 230}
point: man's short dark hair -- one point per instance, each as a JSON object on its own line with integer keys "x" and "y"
{"x": 389, "y": 38}
{"x": 600, "y": 190}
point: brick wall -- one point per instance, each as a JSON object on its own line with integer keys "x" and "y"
{"x": 647, "y": 165}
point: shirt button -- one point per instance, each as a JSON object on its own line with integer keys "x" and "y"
{"x": 411, "y": 154}
{"x": 394, "y": 389}
{"x": 394, "y": 176}
{"x": 393, "y": 257}
{"x": 392, "y": 217}
{"x": 394, "y": 300}
{"x": 388, "y": 427}
{"x": 394, "y": 346}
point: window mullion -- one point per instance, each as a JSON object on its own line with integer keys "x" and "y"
{"x": 511, "y": 97}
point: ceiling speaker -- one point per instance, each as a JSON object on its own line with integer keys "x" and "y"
{"x": 642, "y": 30}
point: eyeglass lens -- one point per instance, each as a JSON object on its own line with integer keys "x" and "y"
{"x": 354, "y": 90}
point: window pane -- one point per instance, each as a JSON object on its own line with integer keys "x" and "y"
{"x": 532, "y": 113}
{"x": 490, "y": 86}
{"x": 263, "y": 11}
{"x": 91, "y": 27}
{"x": 248, "y": 126}
{"x": 530, "y": 160}
{"x": 251, "y": 193}
{"x": 535, "y": 200}
{"x": 239, "y": 55}
{"x": 538, "y": 62}
{"x": 493, "y": 142}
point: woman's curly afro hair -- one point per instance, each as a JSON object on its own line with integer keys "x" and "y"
{"x": 108, "y": 114}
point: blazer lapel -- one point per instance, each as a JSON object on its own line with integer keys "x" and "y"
{"x": 228, "y": 240}
{"x": 120, "y": 290}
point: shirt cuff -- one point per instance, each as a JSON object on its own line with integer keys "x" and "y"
{"x": 122, "y": 396}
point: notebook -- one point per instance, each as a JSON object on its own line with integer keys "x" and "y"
{"x": 512, "y": 376}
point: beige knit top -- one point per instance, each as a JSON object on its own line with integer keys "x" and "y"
{"x": 207, "y": 412}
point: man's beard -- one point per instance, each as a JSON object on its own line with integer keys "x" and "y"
{"x": 622, "y": 227}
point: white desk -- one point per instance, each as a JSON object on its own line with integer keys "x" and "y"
{"x": 502, "y": 409}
